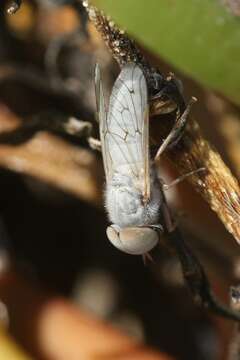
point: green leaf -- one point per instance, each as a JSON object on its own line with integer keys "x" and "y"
{"x": 200, "y": 37}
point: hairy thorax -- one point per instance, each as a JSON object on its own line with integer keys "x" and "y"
{"x": 125, "y": 205}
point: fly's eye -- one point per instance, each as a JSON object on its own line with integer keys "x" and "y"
{"x": 138, "y": 240}
{"x": 113, "y": 235}
{"x": 135, "y": 241}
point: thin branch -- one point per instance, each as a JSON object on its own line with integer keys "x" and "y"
{"x": 217, "y": 186}
{"x": 197, "y": 281}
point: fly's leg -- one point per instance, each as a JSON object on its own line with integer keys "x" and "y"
{"x": 147, "y": 258}
{"x": 83, "y": 129}
{"x": 181, "y": 178}
{"x": 177, "y": 130}
{"x": 14, "y": 6}
{"x": 193, "y": 272}
{"x": 94, "y": 144}
{"x": 79, "y": 128}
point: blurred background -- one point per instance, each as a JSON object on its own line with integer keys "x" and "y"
{"x": 64, "y": 290}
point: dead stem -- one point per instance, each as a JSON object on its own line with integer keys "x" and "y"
{"x": 217, "y": 185}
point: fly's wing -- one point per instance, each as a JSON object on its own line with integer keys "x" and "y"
{"x": 101, "y": 114}
{"x": 124, "y": 133}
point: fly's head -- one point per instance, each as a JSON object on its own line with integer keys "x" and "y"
{"x": 135, "y": 240}
{"x": 166, "y": 95}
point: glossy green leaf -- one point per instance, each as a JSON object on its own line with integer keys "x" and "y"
{"x": 200, "y": 37}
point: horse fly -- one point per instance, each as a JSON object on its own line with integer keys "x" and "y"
{"x": 134, "y": 195}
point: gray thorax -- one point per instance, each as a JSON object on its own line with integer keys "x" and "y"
{"x": 125, "y": 205}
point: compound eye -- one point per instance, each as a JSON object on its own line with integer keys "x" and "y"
{"x": 134, "y": 241}
{"x": 139, "y": 240}
{"x": 113, "y": 235}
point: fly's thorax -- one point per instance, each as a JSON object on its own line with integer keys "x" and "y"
{"x": 125, "y": 203}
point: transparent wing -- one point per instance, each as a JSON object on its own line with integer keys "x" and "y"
{"x": 102, "y": 115}
{"x": 124, "y": 131}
